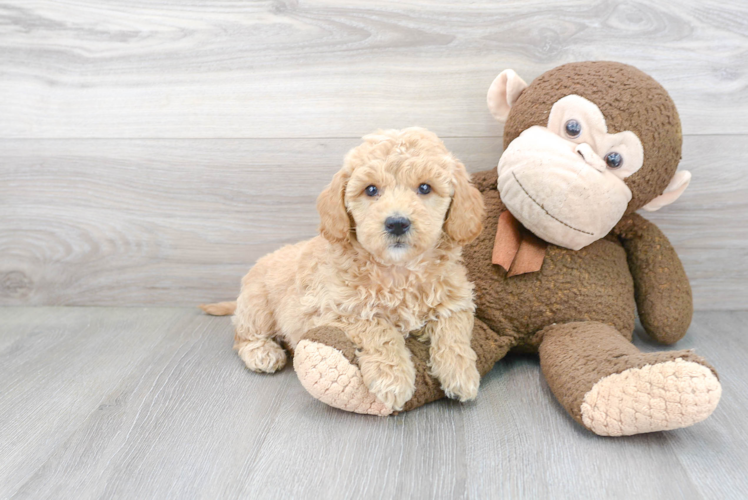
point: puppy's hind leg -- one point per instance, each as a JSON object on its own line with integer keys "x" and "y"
{"x": 254, "y": 328}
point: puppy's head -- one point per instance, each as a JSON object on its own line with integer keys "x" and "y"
{"x": 398, "y": 194}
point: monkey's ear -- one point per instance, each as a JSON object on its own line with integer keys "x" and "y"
{"x": 677, "y": 185}
{"x": 503, "y": 93}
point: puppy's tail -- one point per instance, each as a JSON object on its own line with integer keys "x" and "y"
{"x": 219, "y": 308}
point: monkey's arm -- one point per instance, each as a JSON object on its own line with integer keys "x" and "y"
{"x": 326, "y": 363}
{"x": 663, "y": 293}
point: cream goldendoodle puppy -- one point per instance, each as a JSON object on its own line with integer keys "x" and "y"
{"x": 387, "y": 264}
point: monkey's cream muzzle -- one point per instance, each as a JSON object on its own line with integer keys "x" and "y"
{"x": 560, "y": 190}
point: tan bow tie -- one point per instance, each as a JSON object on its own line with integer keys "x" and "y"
{"x": 516, "y": 249}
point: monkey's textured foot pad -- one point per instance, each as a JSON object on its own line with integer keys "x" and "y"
{"x": 328, "y": 375}
{"x": 652, "y": 398}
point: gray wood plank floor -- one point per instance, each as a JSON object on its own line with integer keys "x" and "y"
{"x": 153, "y": 403}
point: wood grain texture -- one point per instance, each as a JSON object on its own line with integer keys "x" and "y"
{"x": 50, "y": 382}
{"x": 244, "y": 69}
{"x": 153, "y": 403}
{"x": 178, "y": 222}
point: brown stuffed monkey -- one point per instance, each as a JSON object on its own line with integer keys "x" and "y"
{"x": 564, "y": 263}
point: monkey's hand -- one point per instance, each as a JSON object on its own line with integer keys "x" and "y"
{"x": 663, "y": 294}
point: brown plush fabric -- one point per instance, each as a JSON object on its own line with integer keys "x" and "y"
{"x": 628, "y": 98}
{"x": 590, "y": 351}
{"x": 427, "y": 387}
{"x": 488, "y": 346}
{"x": 334, "y": 337}
{"x": 663, "y": 293}
{"x": 592, "y": 284}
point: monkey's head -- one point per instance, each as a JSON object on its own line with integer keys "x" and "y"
{"x": 584, "y": 145}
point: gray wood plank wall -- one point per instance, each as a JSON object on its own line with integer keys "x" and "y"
{"x": 150, "y": 151}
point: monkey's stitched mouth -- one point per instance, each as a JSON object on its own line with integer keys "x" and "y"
{"x": 546, "y": 211}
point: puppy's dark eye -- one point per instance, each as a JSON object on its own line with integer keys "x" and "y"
{"x": 424, "y": 189}
{"x": 614, "y": 160}
{"x": 371, "y": 190}
{"x": 573, "y": 128}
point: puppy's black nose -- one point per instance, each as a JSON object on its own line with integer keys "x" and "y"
{"x": 397, "y": 225}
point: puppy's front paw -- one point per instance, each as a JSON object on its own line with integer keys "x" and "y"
{"x": 392, "y": 383}
{"x": 463, "y": 386}
{"x": 457, "y": 373}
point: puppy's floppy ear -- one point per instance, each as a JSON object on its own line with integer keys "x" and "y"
{"x": 334, "y": 223}
{"x": 465, "y": 219}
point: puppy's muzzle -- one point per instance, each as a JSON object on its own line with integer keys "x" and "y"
{"x": 397, "y": 226}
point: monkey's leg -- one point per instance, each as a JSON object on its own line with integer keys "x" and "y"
{"x": 326, "y": 365}
{"x": 611, "y": 388}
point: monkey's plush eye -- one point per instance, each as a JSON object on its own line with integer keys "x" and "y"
{"x": 614, "y": 160}
{"x": 424, "y": 189}
{"x": 573, "y": 128}
{"x": 371, "y": 190}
